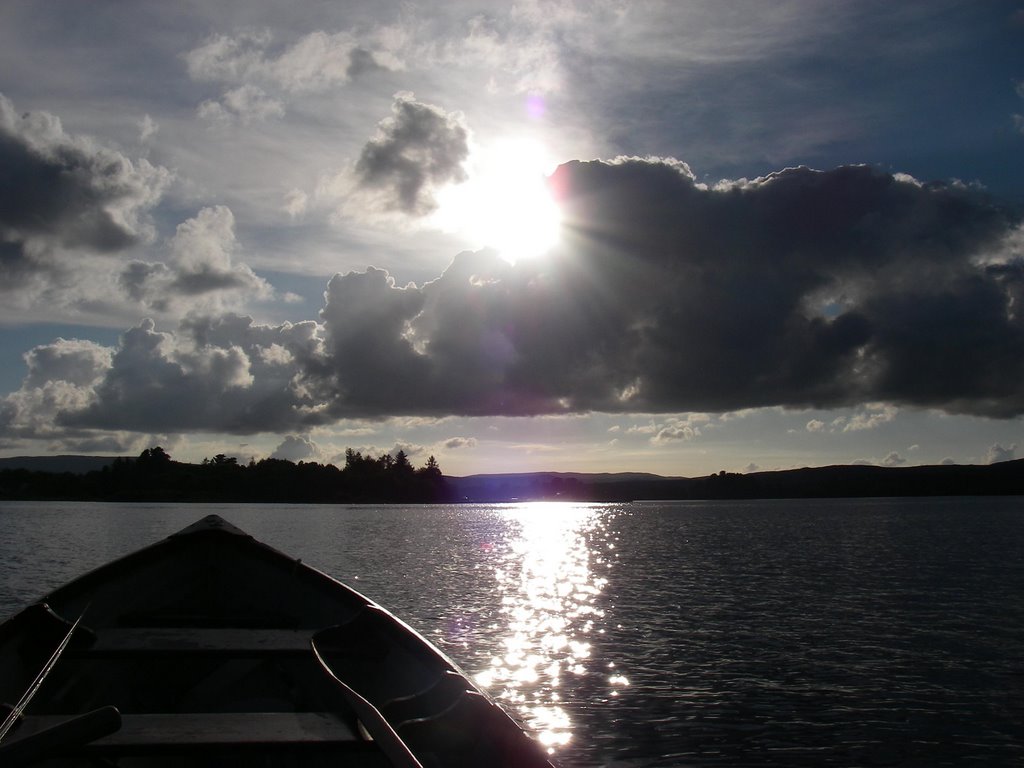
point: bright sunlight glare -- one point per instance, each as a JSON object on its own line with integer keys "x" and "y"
{"x": 505, "y": 204}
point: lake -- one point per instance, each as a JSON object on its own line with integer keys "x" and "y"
{"x": 768, "y": 633}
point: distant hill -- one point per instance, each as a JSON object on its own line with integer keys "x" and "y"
{"x": 532, "y": 485}
{"x": 1003, "y": 478}
{"x": 78, "y": 465}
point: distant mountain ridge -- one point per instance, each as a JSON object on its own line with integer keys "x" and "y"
{"x": 849, "y": 480}
{"x": 852, "y": 480}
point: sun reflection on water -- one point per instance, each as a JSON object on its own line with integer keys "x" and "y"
{"x": 550, "y": 573}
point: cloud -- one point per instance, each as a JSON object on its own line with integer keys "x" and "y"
{"x": 60, "y": 192}
{"x": 295, "y": 203}
{"x": 674, "y": 433}
{"x": 62, "y": 377}
{"x": 296, "y": 448}
{"x": 673, "y": 429}
{"x": 454, "y": 443}
{"x": 68, "y": 190}
{"x": 246, "y": 104}
{"x": 801, "y": 289}
{"x": 998, "y": 453}
{"x": 225, "y": 374}
{"x": 148, "y": 128}
{"x": 418, "y": 148}
{"x": 200, "y": 271}
{"x": 893, "y": 459}
{"x": 315, "y": 62}
{"x": 874, "y": 415}
{"x": 75, "y": 361}
{"x": 70, "y": 210}
{"x": 815, "y": 425}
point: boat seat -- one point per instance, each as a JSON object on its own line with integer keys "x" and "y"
{"x": 143, "y": 732}
{"x": 149, "y": 641}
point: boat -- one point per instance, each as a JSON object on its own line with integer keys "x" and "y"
{"x": 210, "y": 648}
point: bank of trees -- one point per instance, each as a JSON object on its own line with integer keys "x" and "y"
{"x": 155, "y": 476}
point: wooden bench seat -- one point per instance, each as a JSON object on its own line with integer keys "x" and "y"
{"x": 214, "y": 729}
{"x": 144, "y": 641}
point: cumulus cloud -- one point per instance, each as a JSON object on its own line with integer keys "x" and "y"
{"x": 873, "y": 416}
{"x": 60, "y": 193}
{"x": 200, "y": 265}
{"x": 675, "y": 432}
{"x": 673, "y": 429}
{"x": 893, "y": 459}
{"x": 61, "y": 377}
{"x": 705, "y": 298}
{"x": 417, "y": 149}
{"x": 68, "y": 189}
{"x": 803, "y": 289}
{"x": 296, "y": 448}
{"x": 998, "y": 453}
{"x": 224, "y": 374}
{"x": 454, "y": 443}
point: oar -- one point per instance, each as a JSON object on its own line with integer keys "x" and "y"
{"x": 390, "y": 743}
{"x": 19, "y": 708}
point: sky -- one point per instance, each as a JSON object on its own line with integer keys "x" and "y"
{"x": 604, "y": 236}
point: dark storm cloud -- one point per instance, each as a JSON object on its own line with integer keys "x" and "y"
{"x": 417, "y": 149}
{"x": 800, "y": 289}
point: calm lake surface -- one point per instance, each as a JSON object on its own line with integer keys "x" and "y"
{"x": 770, "y": 633}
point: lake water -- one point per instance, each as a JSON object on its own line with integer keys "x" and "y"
{"x": 770, "y": 633}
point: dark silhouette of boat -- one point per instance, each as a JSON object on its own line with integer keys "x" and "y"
{"x": 211, "y": 648}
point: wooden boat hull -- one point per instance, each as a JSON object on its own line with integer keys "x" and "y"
{"x": 202, "y": 646}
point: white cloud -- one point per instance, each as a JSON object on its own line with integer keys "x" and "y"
{"x": 455, "y": 443}
{"x": 246, "y": 104}
{"x": 893, "y": 459}
{"x": 147, "y": 128}
{"x": 873, "y": 416}
{"x": 200, "y": 273}
{"x": 315, "y": 62}
{"x": 997, "y": 453}
{"x": 295, "y": 203}
{"x": 297, "y": 448}
{"x": 675, "y": 432}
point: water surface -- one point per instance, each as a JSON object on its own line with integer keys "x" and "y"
{"x": 771, "y": 633}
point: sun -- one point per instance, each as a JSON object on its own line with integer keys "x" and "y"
{"x": 505, "y": 203}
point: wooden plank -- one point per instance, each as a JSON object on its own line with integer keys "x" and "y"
{"x": 214, "y": 729}
{"x": 74, "y": 731}
{"x": 127, "y": 641}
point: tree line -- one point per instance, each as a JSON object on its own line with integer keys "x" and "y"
{"x": 155, "y": 476}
